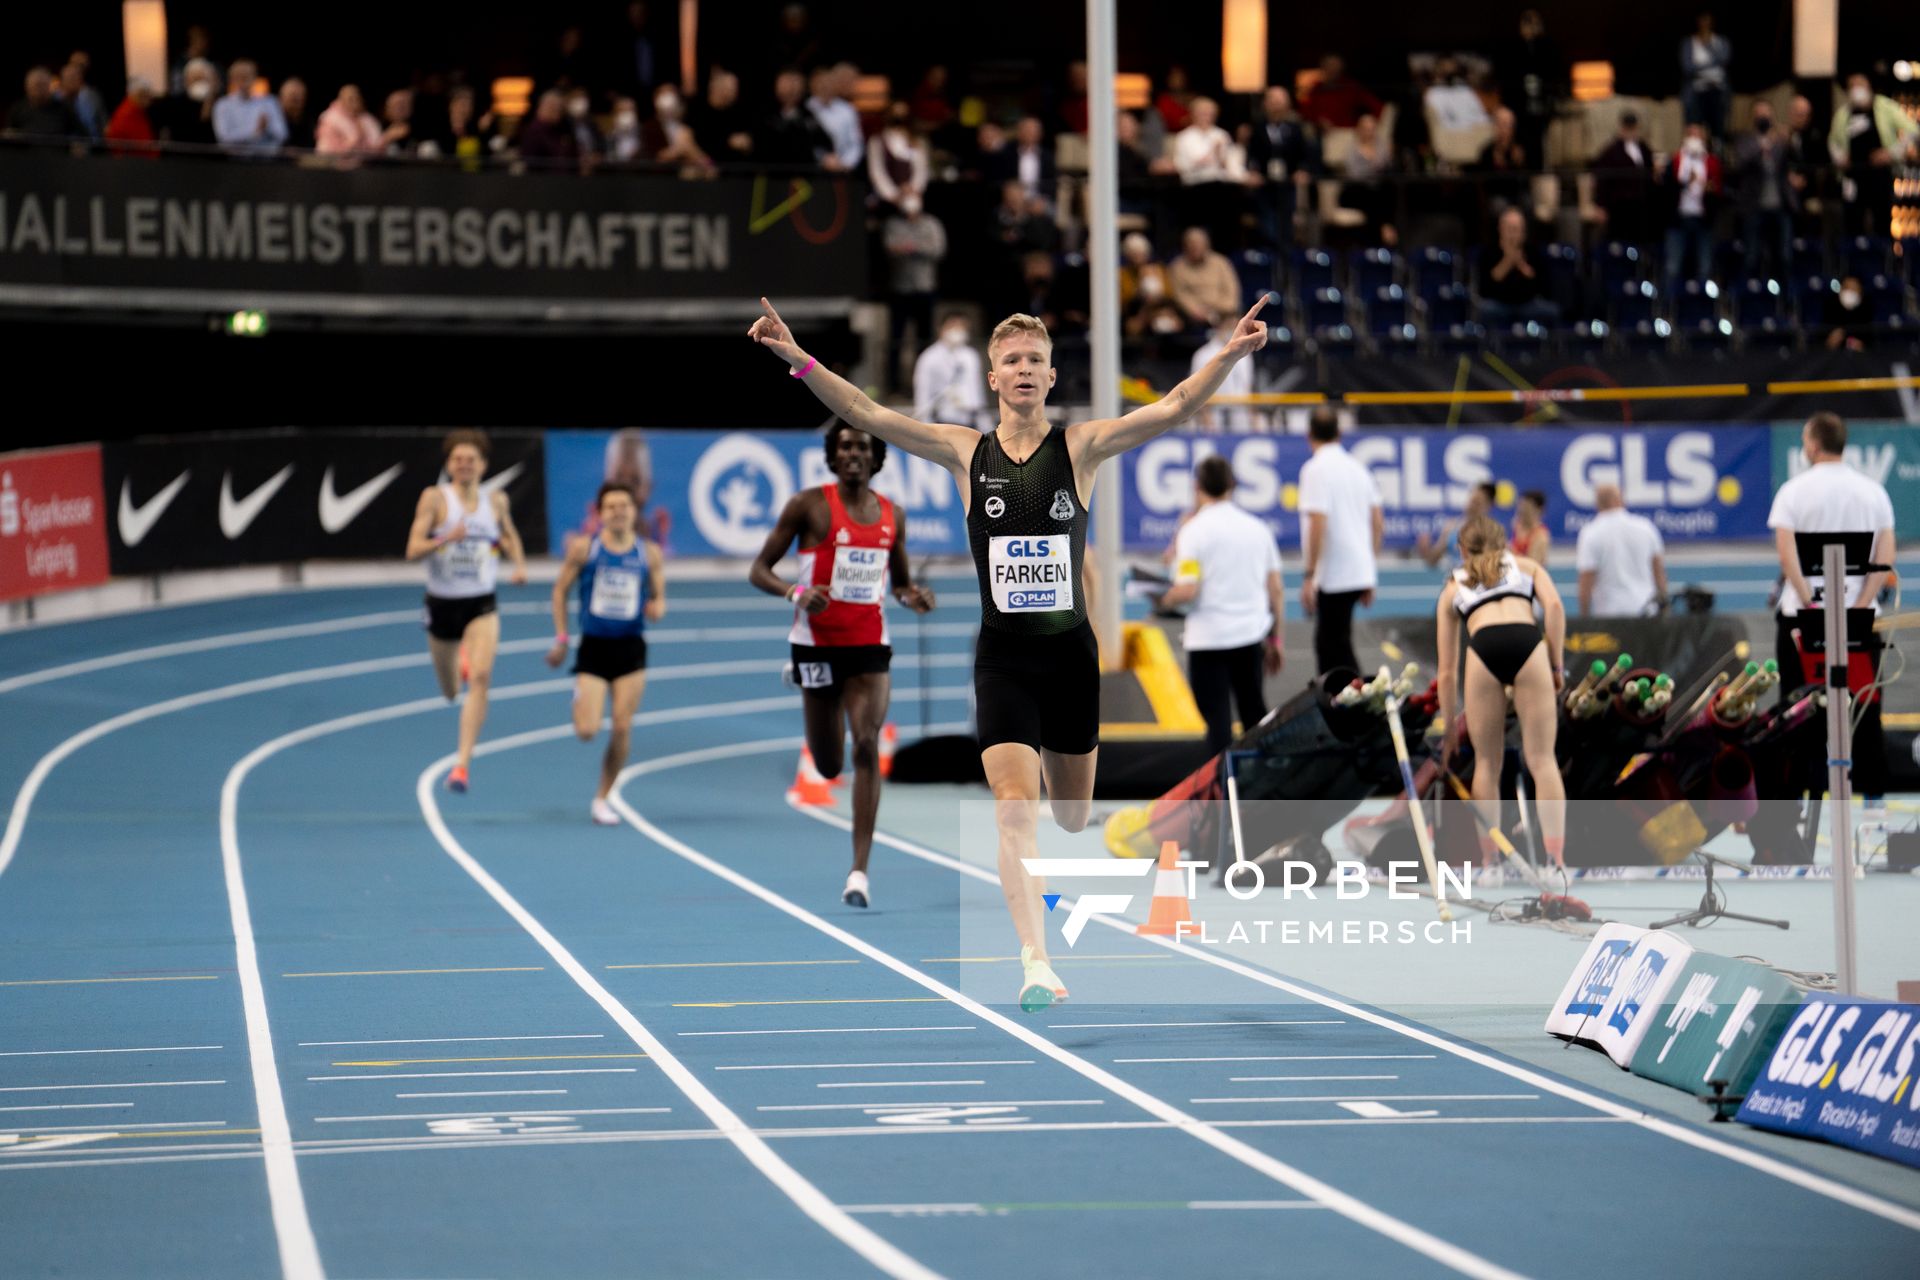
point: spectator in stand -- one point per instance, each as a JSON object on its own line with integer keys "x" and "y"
{"x": 1696, "y": 182}
{"x": 199, "y": 48}
{"x": 667, "y": 138}
{"x": 625, "y": 143}
{"x": 40, "y": 114}
{"x": 932, "y": 109}
{"x": 244, "y": 122}
{"x": 797, "y": 46}
{"x": 396, "y": 125}
{"x": 1336, "y": 102}
{"x": 1451, "y": 101}
{"x": 1807, "y": 162}
{"x": 897, "y": 161}
{"x": 586, "y": 133}
{"x": 1763, "y": 195}
{"x": 468, "y": 139}
{"x": 949, "y": 384}
{"x": 1369, "y": 163}
{"x": 347, "y": 130}
{"x": 1043, "y": 293}
{"x": 131, "y": 132}
{"x": 1172, "y": 104}
{"x": 1870, "y": 135}
{"x": 1022, "y": 224}
{"x": 545, "y": 137}
{"x": 990, "y": 151}
{"x": 1029, "y": 161}
{"x": 722, "y": 127}
{"x": 1623, "y": 181}
{"x": 186, "y": 118}
{"x": 1212, "y": 173}
{"x": 792, "y": 135}
{"x": 831, "y": 104}
{"x": 1845, "y": 317}
{"x": 570, "y": 65}
{"x": 1504, "y": 164}
{"x": 1239, "y": 382}
{"x": 83, "y": 98}
{"x": 1533, "y": 74}
{"x": 1073, "y": 104}
{"x": 1704, "y": 57}
{"x": 1202, "y": 282}
{"x": 915, "y": 243}
{"x": 1146, "y": 295}
{"x": 293, "y": 110}
{"x": 1281, "y": 160}
{"x": 1513, "y": 280}
{"x": 640, "y": 68}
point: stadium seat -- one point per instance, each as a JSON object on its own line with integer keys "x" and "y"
{"x": 1760, "y": 304}
{"x": 1697, "y": 304}
{"x": 1312, "y": 271}
{"x": 1707, "y": 334}
{"x": 1255, "y": 267}
{"x": 1327, "y": 320}
{"x": 1370, "y": 270}
{"x": 1445, "y": 307}
{"x": 1633, "y": 303}
{"x": 1810, "y": 295}
{"x": 1462, "y": 337}
{"x": 1387, "y": 318}
{"x": 1587, "y": 340}
{"x": 1646, "y": 337}
{"x": 1433, "y": 269}
{"x": 1563, "y": 273}
{"x": 1867, "y": 256}
{"x": 1619, "y": 264}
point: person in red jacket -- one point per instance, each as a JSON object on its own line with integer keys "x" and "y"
{"x": 1695, "y": 174}
{"x": 130, "y": 131}
{"x": 852, "y": 541}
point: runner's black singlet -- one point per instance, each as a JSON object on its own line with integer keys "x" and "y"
{"x": 1028, "y": 531}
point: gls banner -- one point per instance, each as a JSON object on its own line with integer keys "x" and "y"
{"x": 275, "y": 497}
{"x": 718, "y": 493}
{"x": 1693, "y": 482}
{"x": 1844, "y": 1070}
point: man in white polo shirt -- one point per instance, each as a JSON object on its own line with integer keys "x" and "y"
{"x": 1831, "y": 497}
{"x": 1340, "y": 529}
{"x": 1622, "y": 560}
{"x": 1227, "y": 567}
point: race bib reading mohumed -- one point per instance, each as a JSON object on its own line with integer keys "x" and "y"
{"x": 859, "y": 574}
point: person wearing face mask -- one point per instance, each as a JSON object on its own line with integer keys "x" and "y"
{"x": 1146, "y": 298}
{"x": 580, "y": 123}
{"x": 1846, "y": 318}
{"x": 186, "y": 118}
{"x": 1696, "y": 178}
{"x": 949, "y": 383}
{"x": 666, "y": 137}
{"x": 1766, "y": 200}
{"x": 897, "y": 160}
{"x": 1870, "y": 134}
{"x": 624, "y": 142}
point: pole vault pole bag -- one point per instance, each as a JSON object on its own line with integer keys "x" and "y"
{"x": 1863, "y": 673}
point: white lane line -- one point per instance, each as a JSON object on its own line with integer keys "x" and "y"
{"x": 1293, "y": 1057}
{"x": 883, "y": 1108}
{"x": 55, "y": 1053}
{"x": 1678, "y": 1132}
{"x": 848, "y": 1066}
{"x": 895, "y": 1084}
{"x": 987, "y": 1210}
{"x": 448, "y": 1075}
{"x": 517, "y": 1111}
{"x": 1254, "y": 1021}
{"x": 145, "y": 1124}
{"x": 320, "y": 1044}
{"x": 818, "y": 1031}
{"x": 483, "y": 1093}
{"x": 1375, "y": 1097}
{"x": 1298, "y": 1079}
{"x": 808, "y": 1198}
{"x": 139, "y": 1084}
{"x": 71, "y": 1106}
{"x": 1404, "y": 1233}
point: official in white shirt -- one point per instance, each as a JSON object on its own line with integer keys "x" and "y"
{"x": 1340, "y": 530}
{"x": 1831, "y": 497}
{"x": 1622, "y": 560}
{"x": 1227, "y": 567}
{"x": 949, "y": 382}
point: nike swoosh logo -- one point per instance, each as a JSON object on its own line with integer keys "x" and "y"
{"x": 236, "y": 516}
{"x": 136, "y": 521}
{"x": 337, "y": 512}
{"x": 504, "y": 479}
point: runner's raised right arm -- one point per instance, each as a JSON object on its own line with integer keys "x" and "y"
{"x": 951, "y": 447}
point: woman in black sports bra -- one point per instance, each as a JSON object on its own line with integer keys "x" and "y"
{"x": 1491, "y": 597}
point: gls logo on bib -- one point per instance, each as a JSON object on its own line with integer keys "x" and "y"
{"x": 1062, "y": 508}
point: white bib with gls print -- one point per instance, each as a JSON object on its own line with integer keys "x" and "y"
{"x": 616, "y": 594}
{"x": 1031, "y": 574}
{"x": 859, "y": 574}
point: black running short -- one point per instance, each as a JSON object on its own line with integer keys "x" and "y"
{"x": 610, "y": 657}
{"x": 1043, "y": 691}
{"x": 447, "y": 617}
{"x": 823, "y": 668}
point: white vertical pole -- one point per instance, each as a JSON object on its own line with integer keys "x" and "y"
{"x": 1839, "y": 754}
{"x": 1103, "y": 333}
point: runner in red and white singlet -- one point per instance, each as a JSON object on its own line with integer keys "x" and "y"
{"x": 852, "y": 542}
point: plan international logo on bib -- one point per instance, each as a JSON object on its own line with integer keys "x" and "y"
{"x": 1031, "y": 573}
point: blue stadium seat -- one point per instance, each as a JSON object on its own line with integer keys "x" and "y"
{"x": 1760, "y": 304}
{"x": 1312, "y": 270}
{"x": 1446, "y": 307}
{"x": 1563, "y": 272}
{"x": 1370, "y": 270}
{"x": 1810, "y": 295}
{"x": 1867, "y": 255}
{"x": 1326, "y": 312}
{"x": 1645, "y": 337}
{"x": 1633, "y": 303}
{"x": 1387, "y": 317}
{"x": 1808, "y": 255}
{"x": 1465, "y": 336}
{"x": 1619, "y": 264}
{"x": 1697, "y": 304}
{"x": 1886, "y": 299}
{"x": 1707, "y": 334}
{"x": 1255, "y": 267}
{"x": 1434, "y": 268}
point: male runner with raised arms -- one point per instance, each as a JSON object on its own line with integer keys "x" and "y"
{"x": 852, "y": 541}
{"x": 1025, "y": 488}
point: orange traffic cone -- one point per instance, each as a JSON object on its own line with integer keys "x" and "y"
{"x": 809, "y": 787}
{"x": 889, "y": 739}
{"x": 1169, "y": 896}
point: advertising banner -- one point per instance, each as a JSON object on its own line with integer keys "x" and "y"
{"x": 1649, "y": 972}
{"x": 53, "y": 534}
{"x": 1844, "y": 1070}
{"x": 1592, "y": 981}
{"x": 1693, "y": 482}
{"x": 282, "y": 496}
{"x": 1720, "y": 1022}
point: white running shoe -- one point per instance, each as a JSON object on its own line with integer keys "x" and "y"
{"x": 855, "y": 894}
{"x": 1491, "y": 876}
{"x": 1040, "y": 986}
{"x": 603, "y": 814}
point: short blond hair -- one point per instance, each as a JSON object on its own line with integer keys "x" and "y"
{"x": 1019, "y": 322}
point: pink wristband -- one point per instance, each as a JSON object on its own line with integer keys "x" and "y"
{"x": 801, "y": 373}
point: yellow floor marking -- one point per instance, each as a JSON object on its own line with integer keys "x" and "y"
{"x": 61, "y": 982}
{"x": 384, "y": 973}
